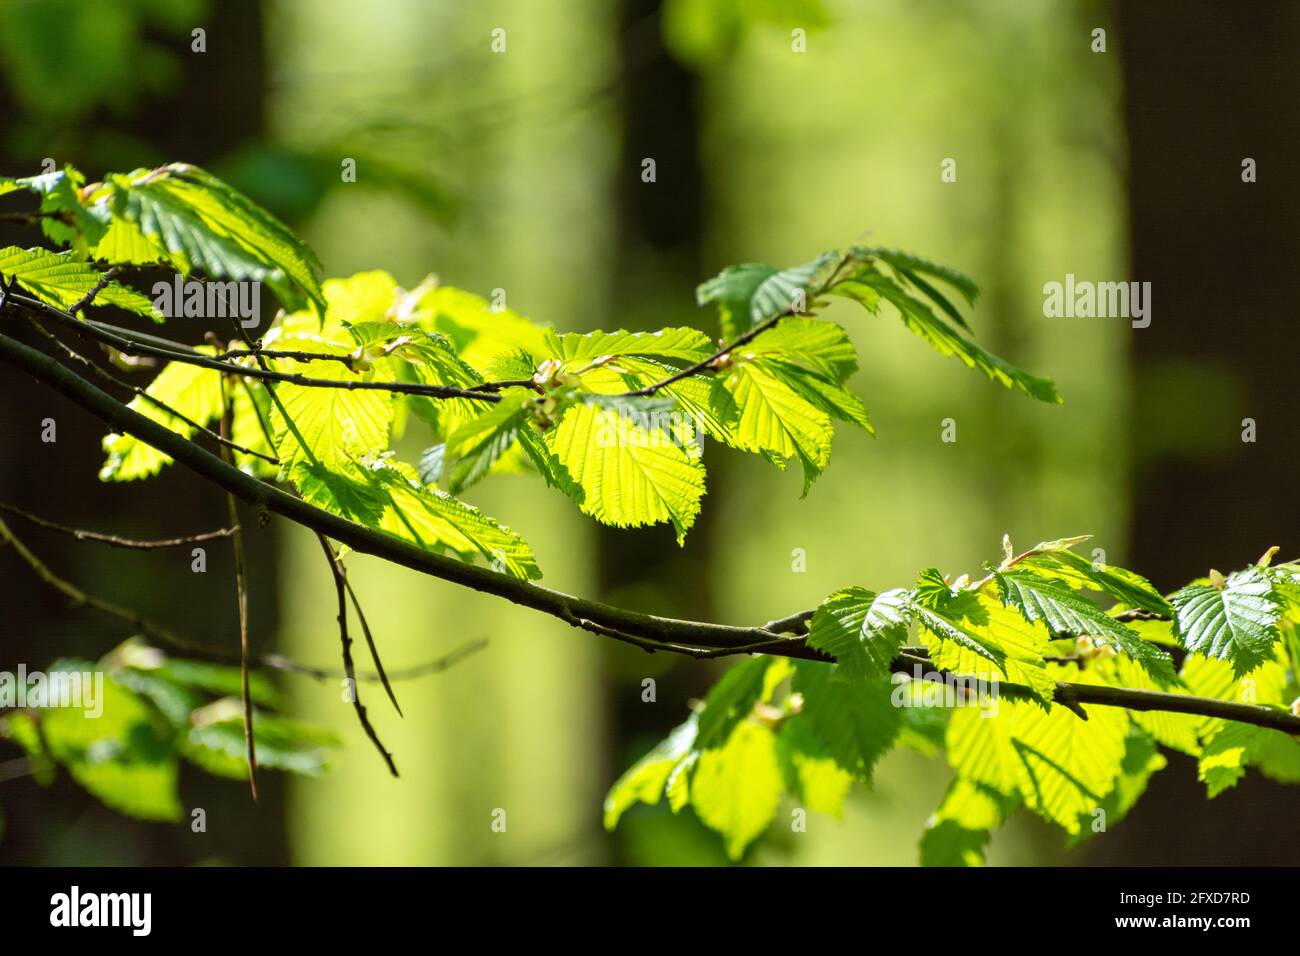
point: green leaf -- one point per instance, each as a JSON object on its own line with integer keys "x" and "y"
{"x": 123, "y": 757}
{"x": 862, "y": 630}
{"x": 20, "y": 727}
{"x": 1141, "y": 760}
{"x": 479, "y": 331}
{"x": 65, "y": 220}
{"x": 855, "y": 722}
{"x": 732, "y": 699}
{"x": 476, "y": 445}
{"x": 1211, "y": 677}
{"x": 192, "y": 391}
{"x": 552, "y": 470}
{"x": 820, "y": 347}
{"x": 214, "y": 741}
{"x": 750, "y": 294}
{"x": 811, "y": 773}
{"x": 964, "y": 628}
{"x": 1237, "y": 623}
{"x": 907, "y": 262}
{"x": 329, "y": 426}
{"x": 578, "y": 350}
{"x": 921, "y": 320}
{"x": 390, "y": 496}
{"x": 777, "y": 422}
{"x": 1061, "y": 766}
{"x": 644, "y": 781}
{"x": 250, "y": 416}
{"x": 62, "y": 280}
{"x": 1175, "y": 731}
{"x": 736, "y": 788}
{"x": 1054, "y": 559}
{"x": 911, "y": 268}
{"x": 1229, "y": 747}
{"x": 196, "y": 221}
{"x": 222, "y": 680}
{"x": 958, "y": 831}
{"x": 629, "y": 476}
{"x": 1063, "y": 611}
{"x": 822, "y": 394}
{"x": 708, "y": 404}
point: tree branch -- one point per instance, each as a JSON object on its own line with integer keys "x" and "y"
{"x": 678, "y": 636}
{"x": 167, "y": 637}
{"x": 139, "y": 344}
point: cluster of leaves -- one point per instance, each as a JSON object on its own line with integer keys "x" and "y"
{"x": 124, "y": 742}
{"x": 772, "y": 728}
{"x": 615, "y": 420}
{"x": 606, "y": 417}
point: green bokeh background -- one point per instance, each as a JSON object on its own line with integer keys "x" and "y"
{"x": 504, "y": 170}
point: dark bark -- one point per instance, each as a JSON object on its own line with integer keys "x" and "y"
{"x": 1206, "y": 86}
{"x": 215, "y": 107}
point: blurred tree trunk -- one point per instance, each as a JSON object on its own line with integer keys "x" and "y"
{"x": 215, "y": 106}
{"x": 659, "y": 262}
{"x": 1207, "y": 87}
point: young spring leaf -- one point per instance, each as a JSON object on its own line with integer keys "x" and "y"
{"x": 684, "y": 345}
{"x": 192, "y": 391}
{"x": 736, "y": 788}
{"x": 630, "y": 476}
{"x": 856, "y": 722}
{"x": 750, "y": 294}
{"x": 862, "y": 630}
{"x": 921, "y": 320}
{"x": 645, "y": 780}
{"x": 63, "y": 280}
{"x": 476, "y": 445}
{"x": 192, "y": 220}
{"x": 820, "y": 347}
{"x": 122, "y": 756}
{"x": 812, "y": 776}
{"x": 329, "y": 426}
{"x": 389, "y": 495}
{"x": 1063, "y": 611}
{"x": 958, "y": 831}
{"x": 964, "y": 629}
{"x": 214, "y": 740}
{"x": 1059, "y": 765}
{"x": 1236, "y": 622}
{"x": 1054, "y": 559}
{"x": 778, "y": 423}
{"x": 480, "y": 331}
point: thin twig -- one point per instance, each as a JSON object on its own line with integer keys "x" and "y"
{"x": 138, "y": 544}
{"x": 241, "y": 591}
{"x": 435, "y": 666}
{"x": 99, "y": 286}
{"x": 107, "y": 376}
{"x": 348, "y": 667}
{"x": 168, "y": 638}
{"x": 370, "y": 640}
{"x": 708, "y": 364}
